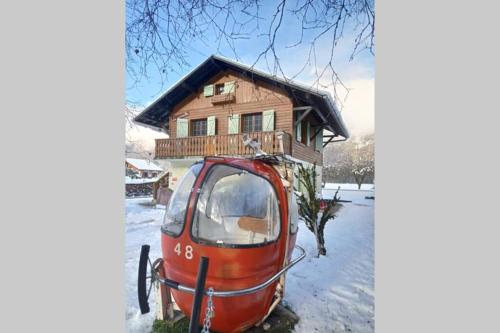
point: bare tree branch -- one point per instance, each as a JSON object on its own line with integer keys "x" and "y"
{"x": 160, "y": 34}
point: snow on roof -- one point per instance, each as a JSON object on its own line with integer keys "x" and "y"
{"x": 143, "y": 164}
{"x": 129, "y": 180}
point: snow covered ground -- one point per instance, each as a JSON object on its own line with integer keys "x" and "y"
{"x": 334, "y": 293}
{"x": 334, "y": 186}
{"x": 130, "y": 180}
{"x": 142, "y": 226}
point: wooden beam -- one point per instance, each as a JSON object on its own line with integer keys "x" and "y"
{"x": 302, "y": 108}
{"x": 307, "y": 108}
{"x": 320, "y": 129}
{"x": 303, "y": 115}
{"x": 323, "y": 118}
{"x": 329, "y": 140}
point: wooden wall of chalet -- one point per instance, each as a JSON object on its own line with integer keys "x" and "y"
{"x": 250, "y": 98}
{"x": 306, "y": 153}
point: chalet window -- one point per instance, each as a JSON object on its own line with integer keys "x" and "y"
{"x": 303, "y": 131}
{"x": 252, "y": 122}
{"x": 219, "y": 89}
{"x": 199, "y": 127}
{"x": 318, "y": 140}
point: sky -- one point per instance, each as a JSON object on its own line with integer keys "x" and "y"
{"x": 358, "y": 75}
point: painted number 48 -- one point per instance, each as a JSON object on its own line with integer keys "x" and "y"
{"x": 188, "y": 251}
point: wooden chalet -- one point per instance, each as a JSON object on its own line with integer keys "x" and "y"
{"x": 209, "y": 109}
{"x": 143, "y": 168}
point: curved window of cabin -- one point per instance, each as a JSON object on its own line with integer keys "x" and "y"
{"x": 175, "y": 215}
{"x": 294, "y": 214}
{"x": 236, "y": 208}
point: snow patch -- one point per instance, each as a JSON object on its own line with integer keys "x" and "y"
{"x": 145, "y": 165}
{"x": 354, "y": 187}
{"x": 129, "y": 180}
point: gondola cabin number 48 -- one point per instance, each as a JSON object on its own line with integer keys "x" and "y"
{"x": 242, "y": 215}
{"x": 188, "y": 253}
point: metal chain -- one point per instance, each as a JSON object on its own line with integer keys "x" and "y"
{"x": 210, "y": 311}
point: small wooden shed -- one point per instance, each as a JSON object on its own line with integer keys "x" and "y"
{"x": 145, "y": 168}
{"x": 161, "y": 192}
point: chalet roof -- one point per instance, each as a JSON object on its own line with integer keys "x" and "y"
{"x": 156, "y": 114}
{"x": 145, "y": 165}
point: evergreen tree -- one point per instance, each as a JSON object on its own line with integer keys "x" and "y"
{"x": 309, "y": 206}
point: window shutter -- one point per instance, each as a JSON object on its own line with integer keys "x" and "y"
{"x": 268, "y": 121}
{"x": 233, "y": 124}
{"x": 211, "y": 125}
{"x": 319, "y": 141}
{"x": 182, "y": 127}
{"x": 229, "y": 87}
{"x": 298, "y": 132}
{"x": 308, "y": 137}
{"x": 208, "y": 90}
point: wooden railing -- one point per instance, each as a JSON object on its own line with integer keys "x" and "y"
{"x": 220, "y": 145}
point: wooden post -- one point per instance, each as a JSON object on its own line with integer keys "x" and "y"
{"x": 164, "y": 304}
{"x": 279, "y": 135}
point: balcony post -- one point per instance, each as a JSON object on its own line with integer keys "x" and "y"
{"x": 279, "y": 136}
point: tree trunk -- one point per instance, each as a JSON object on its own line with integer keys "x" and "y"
{"x": 359, "y": 180}
{"x": 318, "y": 243}
{"x": 321, "y": 237}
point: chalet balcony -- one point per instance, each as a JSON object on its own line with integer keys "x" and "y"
{"x": 221, "y": 145}
{"x": 223, "y": 99}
